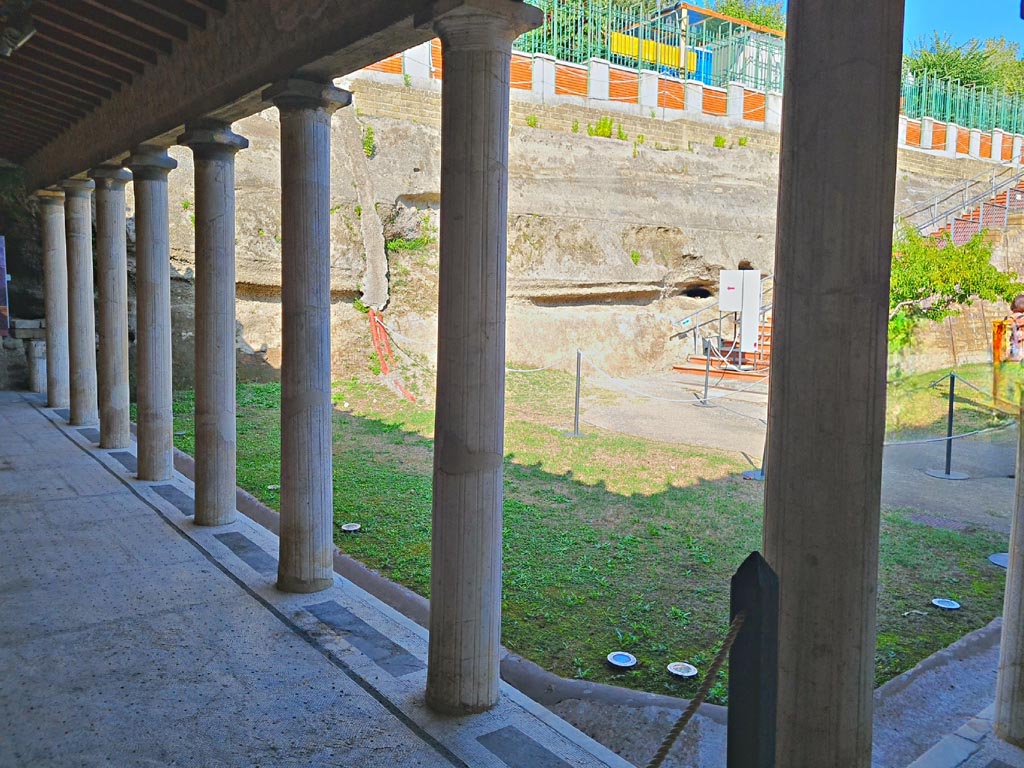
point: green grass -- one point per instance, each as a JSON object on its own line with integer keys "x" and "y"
{"x": 610, "y": 541}
{"x": 917, "y": 409}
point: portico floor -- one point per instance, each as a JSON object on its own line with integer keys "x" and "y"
{"x": 130, "y": 636}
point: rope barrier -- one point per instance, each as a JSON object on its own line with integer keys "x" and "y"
{"x": 702, "y": 692}
{"x": 925, "y": 440}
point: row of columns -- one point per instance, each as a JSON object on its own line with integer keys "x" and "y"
{"x": 465, "y": 623}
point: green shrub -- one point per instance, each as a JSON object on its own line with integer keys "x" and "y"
{"x": 531, "y": 120}
{"x": 408, "y": 80}
{"x": 634, "y": 256}
{"x": 720, "y": 141}
{"x": 620, "y": 134}
{"x": 369, "y": 141}
{"x": 742, "y": 141}
{"x": 603, "y": 128}
{"x": 575, "y": 126}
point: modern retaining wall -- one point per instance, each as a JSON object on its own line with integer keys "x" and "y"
{"x": 606, "y": 87}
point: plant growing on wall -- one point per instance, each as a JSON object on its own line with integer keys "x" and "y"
{"x": 933, "y": 280}
{"x": 531, "y": 121}
{"x": 603, "y": 128}
{"x": 369, "y": 141}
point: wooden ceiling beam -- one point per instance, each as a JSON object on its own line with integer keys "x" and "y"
{"x": 121, "y": 29}
{"x": 48, "y": 94}
{"x": 83, "y": 33}
{"x": 87, "y": 62}
{"x": 20, "y": 101}
{"x": 144, "y": 18}
{"x": 35, "y": 71}
{"x": 192, "y": 15}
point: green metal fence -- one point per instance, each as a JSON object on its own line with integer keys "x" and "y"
{"x": 679, "y": 40}
{"x": 968, "y": 106}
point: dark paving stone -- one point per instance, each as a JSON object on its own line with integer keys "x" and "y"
{"x": 388, "y": 655}
{"x": 185, "y": 503}
{"x": 998, "y": 764}
{"x": 248, "y": 552}
{"x": 91, "y": 434}
{"x": 64, "y": 413}
{"x": 128, "y": 460}
{"x": 517, "y": 750}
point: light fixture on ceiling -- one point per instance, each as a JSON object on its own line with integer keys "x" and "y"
{"x": 16, "y": 27}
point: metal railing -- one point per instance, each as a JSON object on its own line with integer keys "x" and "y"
{"x": 981, "y": 198}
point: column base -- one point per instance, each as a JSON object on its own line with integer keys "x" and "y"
{"x": 445, "y": 708}
{"x": 302, "y": 586}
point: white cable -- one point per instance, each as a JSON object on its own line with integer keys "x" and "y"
{"x": 944, "y": 439}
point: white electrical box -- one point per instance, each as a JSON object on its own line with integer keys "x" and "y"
{"x": 740, "y": 291}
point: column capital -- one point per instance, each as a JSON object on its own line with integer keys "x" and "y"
{"x": 211, "y": 137}
{"x": 78, "y": 187}
{"x": 295, "y": 93}
{"x": 49, "y": 197}
{"x": 150, "y": 162}
{"x": 110, "y": 176}
{"x": 473, "y": 24}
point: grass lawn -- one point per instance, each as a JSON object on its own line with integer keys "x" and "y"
{"x": 611, "y": 542}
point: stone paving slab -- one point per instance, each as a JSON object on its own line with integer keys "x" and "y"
{"x": 972, "y": 745}
{"x": 129, "y": 636}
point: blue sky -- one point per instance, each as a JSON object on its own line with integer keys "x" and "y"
{"x": 964, "y": 19}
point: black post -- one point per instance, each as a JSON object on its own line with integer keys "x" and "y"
{"x": 753, "y": 666}
{"x": 579, "y": 376}
{"x": 949, "y": 425}
{"x": 707, "y": 369}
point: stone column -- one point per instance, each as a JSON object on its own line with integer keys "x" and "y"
{"x": 1018, "y": 149}
{"x": 465, "y": 605}
{"x": 734, "y": 102}
{"x": 112, "y": 277}
{"x": 55, "y": 289}
{"x": 902, "y": 131}
{"x": 773, "y": 111}
{"x": 214, "y": 146}
{"x": 81, "y": 301}
{"x": 543, "y": 76}
{"x": 648, "y": 89}
{"x": 827, "y": 401}
{"x": 306, "y": 556}
{"x": 1009, "y": 713}
{"x": 998, "y": 137}
{"x": 150, "y": 165}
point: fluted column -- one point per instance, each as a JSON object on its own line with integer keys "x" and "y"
{"x": 55, "y": 288}
{"x": 306, "y": 562}
{"x": 81, "y": 300}
{"x": 150, "y": 165}
{"x": 465, "y": 603}
{"x": 214, "y": 146}
{"x": 1008, "y": 722}
{"x": 826, "y": 414}
{"x": 112, "y": 283}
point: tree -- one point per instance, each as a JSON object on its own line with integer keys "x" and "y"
{"x": 1004, "y": 58}
{"x": 765, "y": 14}
{"x": 933, "y": 279}
{"x": 970, "y": 63}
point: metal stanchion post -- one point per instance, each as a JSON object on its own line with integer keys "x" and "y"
{"x": 948, "y": 473}
{"x": 576, "y": 417}
{"x": 707, "y": 374}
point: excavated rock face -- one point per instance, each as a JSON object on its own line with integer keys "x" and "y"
{"x": 609, "y": 241}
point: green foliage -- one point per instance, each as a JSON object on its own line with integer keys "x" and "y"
{"x": 369, "y": 141}
{"x": 186, "y": 204}
{"x": 575, "y": 126}
{"x": 766, "y": 14}
{"x": 931, "y": 280}
{"x": 620, "y": 134}
{"x": 603, "y": 128}
{"x": 407, "y": 79}
{"x": 358, "y": 305}
{"x": 995, "y": 62}
{"x": 634, "y": 256}
{"x": 334, "y": 209}
{"x": 720, "y": 142}
{"x": 742, "y": 141}
{"x": 359, "y": 211}
{"x": 531, "y": 121}
{"x": 640, "y": 139}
